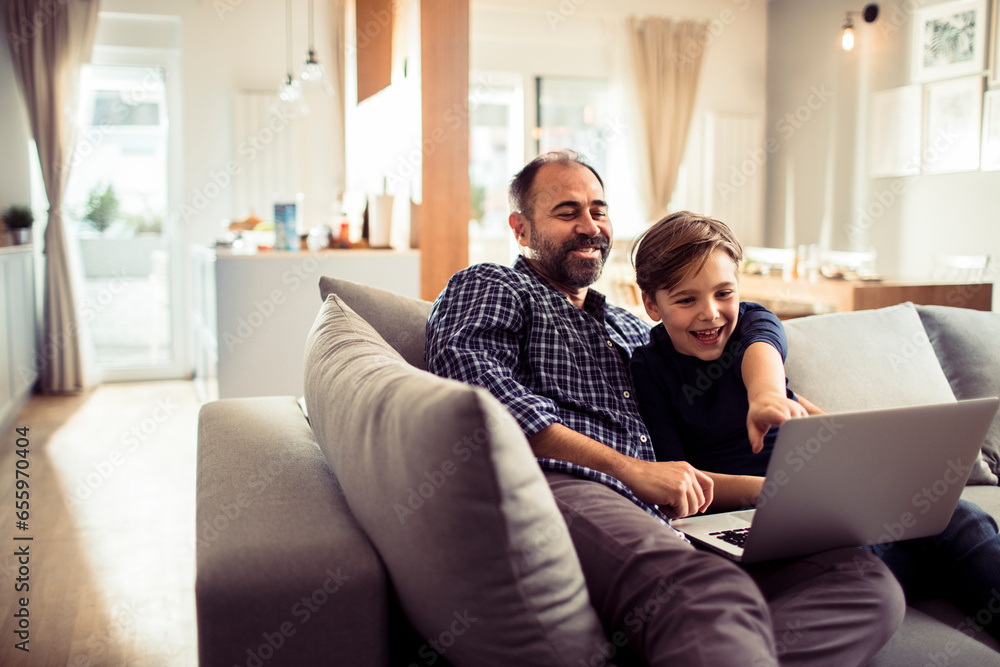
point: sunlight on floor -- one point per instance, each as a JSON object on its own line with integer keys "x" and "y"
{"x": 125, "y": 462}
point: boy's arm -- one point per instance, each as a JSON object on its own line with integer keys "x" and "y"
{"x": 733, "y": 492}
{"x": 764, "y": 377}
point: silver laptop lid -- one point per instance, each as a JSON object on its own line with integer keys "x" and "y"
{"x": 868, "y": 477}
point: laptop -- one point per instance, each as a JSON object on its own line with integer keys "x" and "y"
{"x": 854, "y": 479}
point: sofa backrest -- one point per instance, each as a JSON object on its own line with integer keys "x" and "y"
{"x": 864, "y": 359}
{"x": 400, "y": 320}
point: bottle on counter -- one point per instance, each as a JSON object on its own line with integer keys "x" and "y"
{"x": 286, "y": 236}
{"x": 345, "y": 235}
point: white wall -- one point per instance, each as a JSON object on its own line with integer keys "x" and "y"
{"x": 907, "y": 220}
{"x": 15, "y": 135}
{"x": 573, "y": 38}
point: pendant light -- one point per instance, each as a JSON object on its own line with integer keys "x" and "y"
{"x": 313, "y": 71}
{"x": 291, "y": 89}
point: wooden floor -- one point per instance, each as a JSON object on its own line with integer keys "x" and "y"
{"x": 111, "y": 559}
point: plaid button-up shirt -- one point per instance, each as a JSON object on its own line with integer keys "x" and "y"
{"x": 549, "y": 362}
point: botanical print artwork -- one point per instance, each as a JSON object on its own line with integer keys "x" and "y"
{"x": 950, "y": 39}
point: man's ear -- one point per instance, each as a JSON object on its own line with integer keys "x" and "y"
{"x": 519, "y": 224}
{"x": 651, "y": 308}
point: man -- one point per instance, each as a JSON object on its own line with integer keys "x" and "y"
{"x": 555, "y": 354}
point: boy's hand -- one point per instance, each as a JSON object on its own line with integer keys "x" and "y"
{"x": 766, "y": 410}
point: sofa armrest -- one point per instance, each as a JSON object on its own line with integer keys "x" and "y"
{"x": 285, "y": 576}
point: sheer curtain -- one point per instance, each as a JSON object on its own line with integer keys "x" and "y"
{"x": 49, "y": 42}
{"x": 338, "y": 24}
{"x": 663, "y": 62}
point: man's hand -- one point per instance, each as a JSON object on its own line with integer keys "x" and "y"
{"x": 677, "y": 487}
{"x": 810, "y": 407}
{"x": 769, "y": 409}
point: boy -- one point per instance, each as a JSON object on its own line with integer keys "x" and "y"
{"x": 711, "y": 389}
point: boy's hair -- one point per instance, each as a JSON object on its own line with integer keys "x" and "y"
{"x": 520, "y": 193}
{"x": 678, "y": 246}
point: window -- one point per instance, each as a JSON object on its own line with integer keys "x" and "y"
{"x": 574, "y": 113}
{"x": 496, "y": 146}
{"x": 123, "y": 197}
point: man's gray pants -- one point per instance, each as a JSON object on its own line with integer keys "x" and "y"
{"x": 663, "y": 602}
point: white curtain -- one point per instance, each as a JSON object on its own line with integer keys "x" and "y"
{"x": 338, "y": 20}
{"x": 663, "y": 60}
{"x": 49, "y": 42}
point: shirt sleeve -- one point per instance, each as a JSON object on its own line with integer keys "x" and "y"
{"x": 758, "y": 324}
{"x": 653, "y": 398}
{"x": 475, "y": 334}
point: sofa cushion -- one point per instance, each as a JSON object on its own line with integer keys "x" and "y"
{"x": 400, "y": 320}
{"x": 936, "y": 633}
{"x": 444, "y": 483}
{"x": 868, "y": 359}
{"x": 965, "y": 341}
{"x": 273, "y": 528}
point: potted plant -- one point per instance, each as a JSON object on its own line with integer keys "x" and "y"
{"x": 18, "y": 220}
{"x": 102, "y": 208}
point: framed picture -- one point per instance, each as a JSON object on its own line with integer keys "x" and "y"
{"x": 994, "y": 56}
{"x": 952, "y": 131}
{"x": 949, "y": 40}
{"x": 991, "y": 131}
{"x": 895, "y": 132}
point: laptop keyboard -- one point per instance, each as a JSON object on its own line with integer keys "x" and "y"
{"x": 735, "y": 536}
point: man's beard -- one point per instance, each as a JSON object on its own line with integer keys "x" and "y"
{"x": 556, "y": 262}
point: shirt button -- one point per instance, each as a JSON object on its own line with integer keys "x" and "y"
{"x": 642, "y": 438}
{"x": 610, "y": 344}
{"x": 626, "y": 394}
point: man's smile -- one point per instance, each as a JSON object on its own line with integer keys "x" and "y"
{"x": 588, "y": 251}
{"x": 588, "y": 248}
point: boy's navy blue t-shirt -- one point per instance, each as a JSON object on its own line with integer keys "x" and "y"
{"x": 696, "y": 411}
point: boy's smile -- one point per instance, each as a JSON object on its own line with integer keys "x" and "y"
{"x": 700, "y": 313}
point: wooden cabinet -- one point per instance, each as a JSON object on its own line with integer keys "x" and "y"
{"x": 18, "y": 331}
{"x": 825, "y": 295}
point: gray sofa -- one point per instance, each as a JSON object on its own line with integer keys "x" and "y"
{"x": 405, "y": 523}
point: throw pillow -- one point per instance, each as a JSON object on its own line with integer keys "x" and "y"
{"x": 442, "y": 480}
{"x": 400, "y": 320}
{"x": 867, "y": 359}
{"x": 966, "y": 344}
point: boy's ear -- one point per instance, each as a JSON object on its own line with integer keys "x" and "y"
{"x": 518, "y": 223}
{"x": 651, "y": 309}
